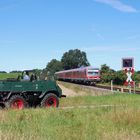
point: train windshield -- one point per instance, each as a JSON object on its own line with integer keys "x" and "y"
{"x": 93, "y": 72}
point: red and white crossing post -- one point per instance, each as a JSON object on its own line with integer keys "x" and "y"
{"x": 128, "y": 67}
{"x": 129, "y": 74}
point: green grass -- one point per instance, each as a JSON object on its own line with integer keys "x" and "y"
{"x": 4, "y": 76}
{"x": 114, "y": 99}
{"x": 119, "y": 122}
{"x": 102, "y": 123}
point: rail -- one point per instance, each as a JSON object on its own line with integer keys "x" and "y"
{"x": 109, "y": 88}
{"x": 119, "y": 89}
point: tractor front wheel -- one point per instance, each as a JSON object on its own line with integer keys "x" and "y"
{"x": 50, "y": 100}
{"x": 16, "y": 102}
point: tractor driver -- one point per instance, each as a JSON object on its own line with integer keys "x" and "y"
{"x": 26, "y": 76}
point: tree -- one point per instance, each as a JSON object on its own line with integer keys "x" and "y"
{"x": 136, "y": 77}
{"x": 16, "y": 71}
{"x": 107, "y": 74}
{"x": 120, "y": 77}
{"x": 105, "y": 68}
{"x": 54, "y": 66}
{"x": 74, "y": 59}
{"x": 138, "y": 72}
{"x": 37, "y": 71}
{"x": 3, "y": 72}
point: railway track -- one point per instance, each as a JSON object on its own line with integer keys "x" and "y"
{"x": 108, "y": 88}
{"x": 119, "y": 89}
{"x": 114, "y": 89}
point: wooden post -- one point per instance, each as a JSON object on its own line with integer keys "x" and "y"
{"x": 129, "y": 88}
{"x": 122, "y": 90}
{"x": 139, "y": 85}
{"x": 111, "y": 85}
{"x": 134, "y": 87}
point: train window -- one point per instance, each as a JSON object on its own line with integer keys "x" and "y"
{"x": 93, "y": 72}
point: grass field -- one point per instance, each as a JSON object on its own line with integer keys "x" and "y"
{"x": 102, "y": 123}
{"x": 130, "y": 100}
{"x": 88, "y": 119}
{"x": 4, "y": 76}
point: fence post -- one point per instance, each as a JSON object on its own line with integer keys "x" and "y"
{"x": 129, "y": 89}
{"x": 121, "y": 89}
{"x": 111, "y": 85}
{"x": 134, "y": 87}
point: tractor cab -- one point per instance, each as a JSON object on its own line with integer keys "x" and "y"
{"x": 27, "y": 75}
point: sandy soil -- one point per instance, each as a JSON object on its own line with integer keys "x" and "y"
{"x": 92, "y": 92}
{"x": 68, "y": 92}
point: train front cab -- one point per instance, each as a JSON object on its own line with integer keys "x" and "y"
{"x": 93, "y": 75}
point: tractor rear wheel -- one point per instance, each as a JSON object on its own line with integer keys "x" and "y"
{"x": 16, "y": 102}
{"x": 50, "y": 100}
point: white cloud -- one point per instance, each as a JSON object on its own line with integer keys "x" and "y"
{"x": 118, "y": 5}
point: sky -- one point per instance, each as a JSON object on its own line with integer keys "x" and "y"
{"x": 33, "y": 32}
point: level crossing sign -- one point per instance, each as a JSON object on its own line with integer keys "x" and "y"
{"x": 129, "y": 74}
{"x": 127, "y": 63}
{"x": 128, "y": 67}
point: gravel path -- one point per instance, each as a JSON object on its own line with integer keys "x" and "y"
{"x": 83, "y": 90}
{"x": 68, "y": 92}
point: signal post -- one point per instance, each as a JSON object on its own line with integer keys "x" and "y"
{"x": 128, "y": 67}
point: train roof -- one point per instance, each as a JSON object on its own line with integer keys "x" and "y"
{"x": 81, "y": 68}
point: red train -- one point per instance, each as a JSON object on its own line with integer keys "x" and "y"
{"x": 87, "y": 75}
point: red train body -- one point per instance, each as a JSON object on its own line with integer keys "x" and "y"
{"x": 87, "y": 75}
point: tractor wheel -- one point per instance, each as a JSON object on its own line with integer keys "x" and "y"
{"x": 50, "y": 100}
{"x": 16, "y": 102}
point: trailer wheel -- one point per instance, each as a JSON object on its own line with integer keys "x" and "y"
{"x": 50, "y": 100}
{"x": 16, "y": 102}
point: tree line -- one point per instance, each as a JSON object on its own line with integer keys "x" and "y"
{"x": 76, "y": 59}
{"x": 118, "y": 77}
{"x": 70, "y": 60}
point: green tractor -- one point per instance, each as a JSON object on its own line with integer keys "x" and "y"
{"x": 28, "y": 91}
